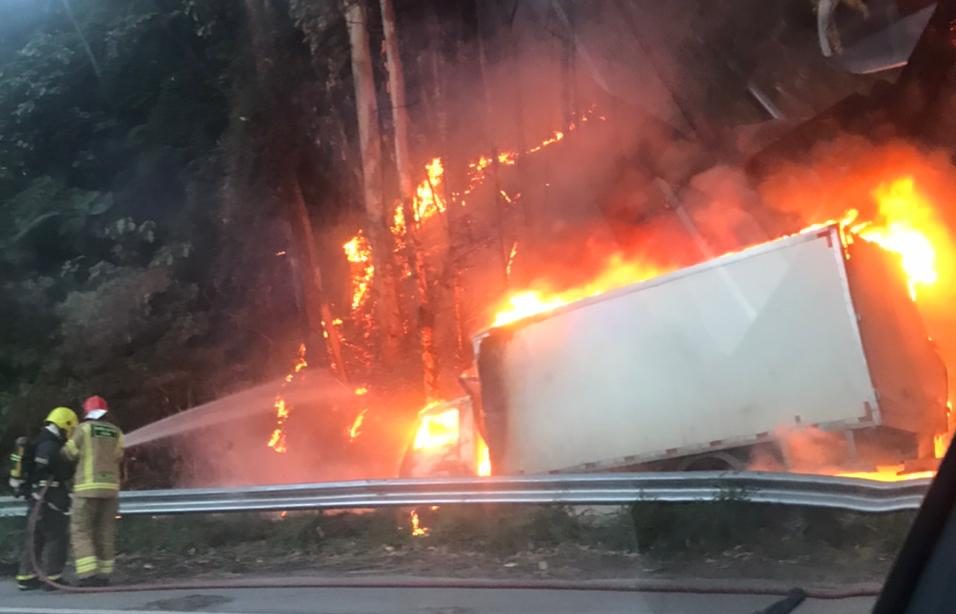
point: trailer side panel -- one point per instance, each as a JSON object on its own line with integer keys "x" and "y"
{"x": 713, "y": 356}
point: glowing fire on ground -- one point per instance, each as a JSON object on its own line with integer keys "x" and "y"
{"x": 277, "y": 441}
{"x": 417, "y": 529}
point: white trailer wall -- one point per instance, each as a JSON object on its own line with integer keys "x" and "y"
{"x": 707, "y": 357}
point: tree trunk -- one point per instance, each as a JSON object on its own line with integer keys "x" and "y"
{"x": 318, "y": 313}
{"x": 396, "y": 88}
{"x": 370, "y": 149}
{"x": 283, "y": 163}
{"x": 424, "y": 314}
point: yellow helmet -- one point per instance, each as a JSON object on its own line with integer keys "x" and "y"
{"x": 64, "y": 418}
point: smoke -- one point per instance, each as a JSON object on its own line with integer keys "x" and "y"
{"x": 224, "y": 442}
{"x": 805, "y": 450}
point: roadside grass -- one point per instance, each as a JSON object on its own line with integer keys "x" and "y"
{"x": 660, "y": 529}
{"x": 662, "y": 535}
{"x": 775, "y": 531}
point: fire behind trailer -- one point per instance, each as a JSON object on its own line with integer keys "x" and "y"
{"x": 712, "y": 360}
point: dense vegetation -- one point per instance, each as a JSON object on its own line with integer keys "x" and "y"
{"x": 118, "y": 252}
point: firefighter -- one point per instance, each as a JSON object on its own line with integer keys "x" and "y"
{"x": 97, "y": 448}
{"x": 43, "y": 467}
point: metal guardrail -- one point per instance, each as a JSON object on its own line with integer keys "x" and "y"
{"x": 591, "y": 489}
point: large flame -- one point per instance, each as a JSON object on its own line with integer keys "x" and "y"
{"x": 907, "y": 224}
{"x": 618, "y": 271}
{"x": 904, "y": 226}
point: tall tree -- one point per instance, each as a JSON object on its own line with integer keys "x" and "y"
{"x": 284, "y": 160}
{"x": 424, "y": 315}
{"x": 396, "y": 88}
{"x": 370, "y": 148}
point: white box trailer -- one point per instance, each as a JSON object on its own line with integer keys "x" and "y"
{"x": 802, "y": 331}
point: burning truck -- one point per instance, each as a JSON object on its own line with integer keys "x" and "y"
{"x": 706, "y": 367}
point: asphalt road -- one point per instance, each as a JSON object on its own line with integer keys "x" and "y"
{"x": 401, "y": 601}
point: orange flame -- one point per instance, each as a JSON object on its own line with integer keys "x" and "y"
{"x": 887, "y": 473}
{"x": 358, "y": 251}
{"x": 908, "y": 219}
{"x": 436, "y": 430}
{"x": 907, "y": 225}
{"x": 356, "y": 429}
{"x": 277, "y": 440}
{"x": 940, "y": 445}
{"x": 427, "y": 201}
{"x": 417, "y": 529}
{"x": 554, "y": 138}
{"x": 482, "y": 457}
{"x": 618, "y": 272}
{"x": 511, "y": 258}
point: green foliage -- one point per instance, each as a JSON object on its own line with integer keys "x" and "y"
{"x": 143, "y": 146}
{"x": 111, "y": 240}
{"x": 711, "y": 527}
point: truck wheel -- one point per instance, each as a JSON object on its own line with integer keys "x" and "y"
{"x": 716, "y": 461}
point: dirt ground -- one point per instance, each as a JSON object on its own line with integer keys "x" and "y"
{"x": 564, "y": 562}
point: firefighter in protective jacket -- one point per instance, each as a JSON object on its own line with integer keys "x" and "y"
{"x": 97, "y": 448}
{"x": 45, "y": 481}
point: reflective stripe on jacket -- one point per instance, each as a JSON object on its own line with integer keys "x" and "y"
{"x": 97, "y": 446}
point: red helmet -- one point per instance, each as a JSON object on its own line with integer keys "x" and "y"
{"x": 95, "y": 403}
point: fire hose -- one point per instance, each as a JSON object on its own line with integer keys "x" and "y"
{"x": 791, "y": 595}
